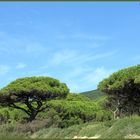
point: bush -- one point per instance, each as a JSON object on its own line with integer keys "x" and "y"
{"x": 4, "y": 115}
{"x": 75, "y": 109}
{"x": 76, "y": 97}
{"x": 103, "y": 115}
{"x": 76, "y": 112}
{"x": 8, "y": 131}
{"x": 8, "y": 115}
{"x": 31, "y": 127}
{"x": 70, "y": 122}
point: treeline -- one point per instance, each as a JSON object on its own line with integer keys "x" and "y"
{"x": 47, "y": 100}
{"x": 75, "y": 109}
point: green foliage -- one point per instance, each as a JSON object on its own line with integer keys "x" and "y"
{"x": 54, "y": 118}
{"x": 123, "y": 89}
{"x": 37, "y": 86}
{"x": 80, "y": 131}
{"x": 117, "y": 129}
{"x": 127, "y": 127}
{"x": 101, "y": 101}
{"x": 118, "y": 79}
{"x": 93, "y": 94}
{"x": 76, "y": 97}
{"x": 58, "y": 109}
{"x": 69, "y": 122}
{"x": 70, "y": 97}
{"x": 30, "y": 94}
{"x": 78, "y": 111}
{"x": 124, "y": 128}
{"x": 17, "y": 115}
{"x": 4, "y": 115}
{"x": 75, "y": 109}
{"x": 8, "y": 115}
{"x": 103, "y": 115}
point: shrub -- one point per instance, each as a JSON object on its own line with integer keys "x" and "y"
{"x": 31, "y": 127}
{"x": 4, "y": 115}
{"x": 82, "y": 111}
{"x": 69, "y": 122}
{"x": 76, "y": 97}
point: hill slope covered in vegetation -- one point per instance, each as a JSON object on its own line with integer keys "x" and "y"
{"x": 93, "y": 94}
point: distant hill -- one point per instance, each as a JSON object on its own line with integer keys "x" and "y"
{"x": 93, "y": 94}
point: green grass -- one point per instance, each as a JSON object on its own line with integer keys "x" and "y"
{"x": 8, "y": 131}
{"x": 120, "y": 128}
{"x": 124, "y": 127}
{"x": 128, "y": 127}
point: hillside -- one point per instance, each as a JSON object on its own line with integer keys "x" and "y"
{"x": 93, "y": 94}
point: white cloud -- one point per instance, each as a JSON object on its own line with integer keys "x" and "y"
{"x": 97, "y": 75}
{"x": 74, "y": 57}
{"x": 13, "y": 45}
{"x": 77, "y": 69}
{"x": 90, "y": 79}
{"x": 103, "y": 55}
{"x": 76, "y": 65}
{"x": 63, "y": 56}
{"x": 85, "y": 78}
{"x": 21, "y": 65}
{"x": 4, "y": 69}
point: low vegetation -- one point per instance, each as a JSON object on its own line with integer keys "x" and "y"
{"x": 93, "y": 94}
{"x": 127, "y": 127}
{"x": 42, "y": 107}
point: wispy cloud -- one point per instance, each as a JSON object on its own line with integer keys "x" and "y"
{"x": 86, "y": 78}
{"x": 63, "y": 56}
{"x": 71, "y": 65}
{"x": 19, "y": 45}
{"x": 77, "y": 57}
{"x": 92, "y": 78}
{"x": 97, "y": 74}
{"x": 77, "y": 69}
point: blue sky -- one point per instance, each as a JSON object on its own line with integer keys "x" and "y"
{"x": 79, "y": 43}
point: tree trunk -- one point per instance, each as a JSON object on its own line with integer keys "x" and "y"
{"x": 32, "y": 116}
{"x": 114, "y": 113}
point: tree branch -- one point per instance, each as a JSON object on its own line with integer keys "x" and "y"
{"x": 18, "y": 107}
{"x": 29, "y": 105}
{"x": 41, "y": 109}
